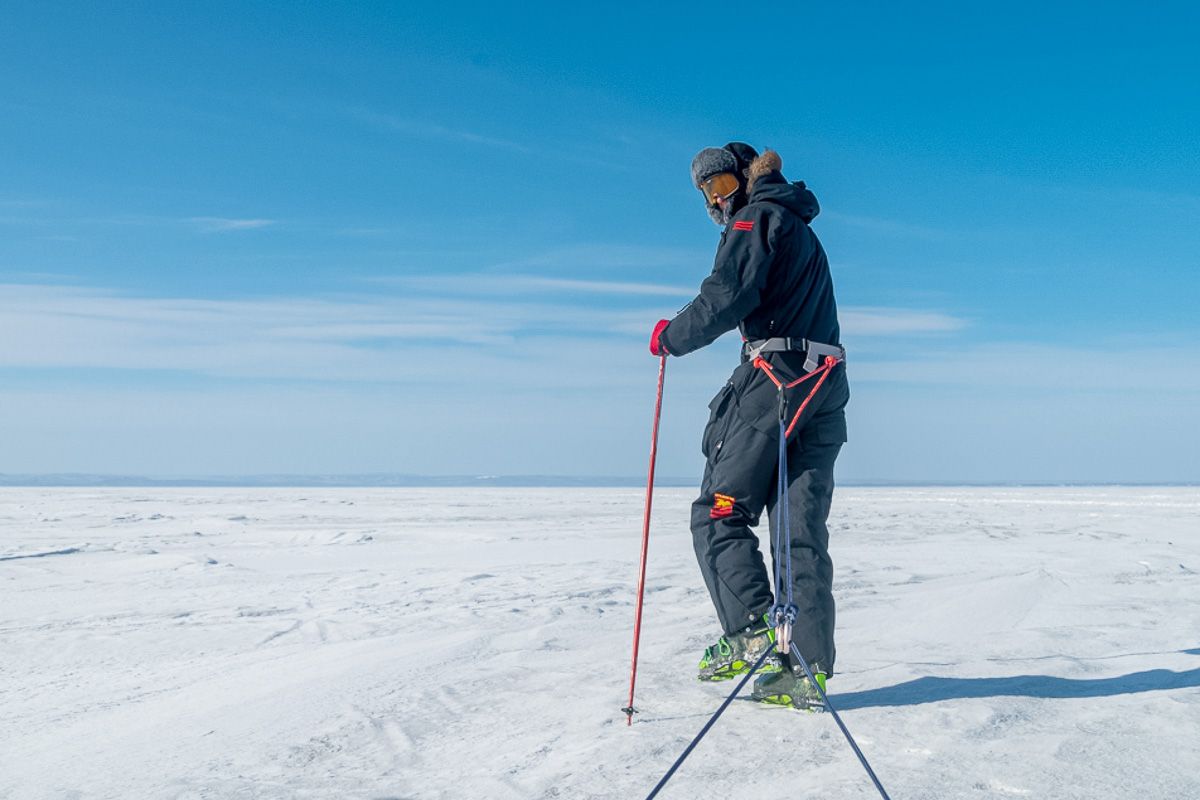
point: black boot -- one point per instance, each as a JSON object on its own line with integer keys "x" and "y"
{"x": 790, "y": 687}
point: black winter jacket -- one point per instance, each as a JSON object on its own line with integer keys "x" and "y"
{"x": 770, "y": 278}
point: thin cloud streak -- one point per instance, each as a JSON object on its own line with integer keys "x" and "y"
{"x": 602, "y": 256}
{"x": 225, "y": 224}
{"x": 22, "y": 203}
{"x": 876, "y": 321}
{"x": 888, "y": 227}
{"x": 508, "y": 285}
{"x": 606, "y": 287}
{"x": 859, "y": 321}
{"x": 432, "y": 130}
{"x": 360, "y": 339}
{"x": 591, "y": 155}
{"x": 396, "y": 338}
{"x": 1025, "y": 366}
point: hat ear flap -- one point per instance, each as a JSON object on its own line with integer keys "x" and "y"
{"x": 744, "y": 153}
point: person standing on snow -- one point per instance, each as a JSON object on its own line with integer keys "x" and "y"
{"x": 771, "y": 280}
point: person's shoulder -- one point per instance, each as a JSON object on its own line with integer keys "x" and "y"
{"x": 757, "y": 209}
{"x": 751, "y": 215}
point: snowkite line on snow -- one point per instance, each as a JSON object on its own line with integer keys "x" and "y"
{"x": 687, "y": 751}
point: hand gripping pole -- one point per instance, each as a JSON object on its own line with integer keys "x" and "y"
{"x": 641, "y": 590}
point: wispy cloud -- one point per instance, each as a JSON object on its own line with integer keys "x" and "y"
{"x": 601, "y": 256}
{"x": 18, "y": 203}
{"x": 605, "y": 287}
{"x": 1109, "y": 366}
{"x": 205, "y": 224}
{"x": 391, "y": 338}
{"x": 36, "y": 277}
{"x": 874, "y": 321}
{"x": 431, "y": 130}
{"x": 226, "y": 224}
{"x": 401, "y": 336}
{"x": 887, "y": 227}
{"x": 396, "y": 370}
{"x": 519, "y": 285}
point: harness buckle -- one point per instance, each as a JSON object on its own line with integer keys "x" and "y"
{"x": 753, "y": 353}
{"x": 783, "y": 617}
{"x": 815, "y": 353}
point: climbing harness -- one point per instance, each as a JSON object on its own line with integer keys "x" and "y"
{"x": 814, "y": 351}
{"x": 832, "y": 354}
{"x": 783, "y": 613}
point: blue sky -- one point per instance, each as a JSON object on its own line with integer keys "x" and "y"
{"x": 243, "y": 239}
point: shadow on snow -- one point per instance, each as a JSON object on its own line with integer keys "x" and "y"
{"x": 933, "y": 690}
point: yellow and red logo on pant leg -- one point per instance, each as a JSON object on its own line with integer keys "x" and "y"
{"x": 722, "y": 506}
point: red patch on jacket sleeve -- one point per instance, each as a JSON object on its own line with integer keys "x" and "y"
{"x": 722, "y": 506}
{"x": 743, "y": 225}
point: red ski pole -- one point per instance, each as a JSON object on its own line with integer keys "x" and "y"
{"x": 641, "y": 590}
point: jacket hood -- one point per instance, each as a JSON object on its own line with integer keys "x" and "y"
{"x": 767, "y": 184}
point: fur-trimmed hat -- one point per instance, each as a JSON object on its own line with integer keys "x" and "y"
{"x": 712, "y": 161}
{"x": 734, "y": 158}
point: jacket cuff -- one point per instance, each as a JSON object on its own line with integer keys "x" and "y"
{"x": 664, "y": 343}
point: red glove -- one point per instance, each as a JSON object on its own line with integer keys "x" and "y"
{"x": 656, "y": 346}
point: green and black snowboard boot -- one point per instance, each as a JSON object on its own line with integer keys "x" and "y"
{"x": 790, "y": 687}
{"x": 735, "y": 654}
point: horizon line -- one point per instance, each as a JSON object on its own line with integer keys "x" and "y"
{"x": 405, "y": 480}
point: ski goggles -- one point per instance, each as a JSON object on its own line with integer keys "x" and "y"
{"x": 719, "y": 186}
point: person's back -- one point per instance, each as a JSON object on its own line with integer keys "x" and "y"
{"x": 797, "y": 301}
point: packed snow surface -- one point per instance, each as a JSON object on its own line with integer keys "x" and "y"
{"x": 350, "y": 643}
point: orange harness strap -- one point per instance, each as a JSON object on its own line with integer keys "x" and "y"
{"x": 823, "y": 371}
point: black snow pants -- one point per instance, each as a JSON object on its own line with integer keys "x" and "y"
{"x": 741, "y": 445}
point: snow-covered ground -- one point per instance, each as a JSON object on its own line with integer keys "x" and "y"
{"x": 251, "y": 643}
